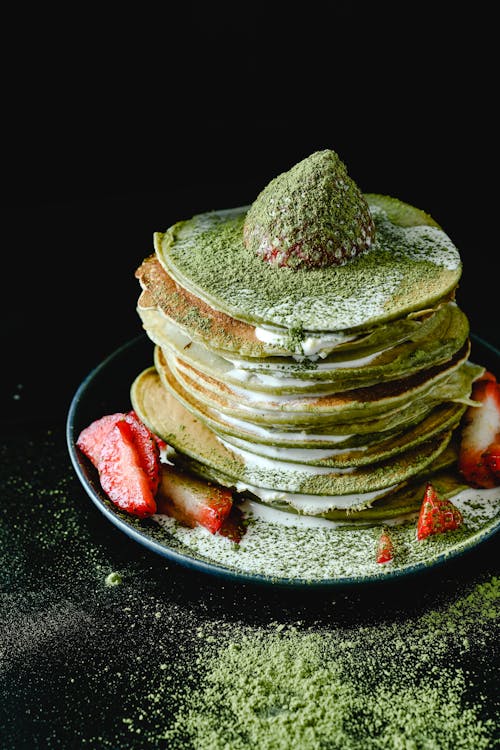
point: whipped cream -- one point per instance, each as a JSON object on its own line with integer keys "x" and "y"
{"x": 291, "y": 454}
{"x": 313, "y": 343}
{"x": 314, "y": 504}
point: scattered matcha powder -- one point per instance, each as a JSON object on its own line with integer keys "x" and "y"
{"x": 191, "y": 674}
{"x": 383, "y": 686}
{"x": 113, "y": 579}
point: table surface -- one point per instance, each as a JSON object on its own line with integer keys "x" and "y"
{"x": 87, "y": 664}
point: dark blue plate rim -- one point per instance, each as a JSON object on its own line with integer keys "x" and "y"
{"x": 133, "y": 530}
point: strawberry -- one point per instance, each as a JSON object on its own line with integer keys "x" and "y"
{"x": 91, "y": 439}
{"x": 436, "y": 515}
{"x": 234, "y": 526}
{"x": 193, "y": 501}
{"x": 160, "y": 443}
{"x": 121, "y": 472}
{"x": 147, "y": 447}
{"x": 385, "y": 548}
{"x": 480, "y": 433}
{"x": 287, "y": 227}
{"x": 492, "y": 458}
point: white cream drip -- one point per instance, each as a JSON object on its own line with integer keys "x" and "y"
{"x": 313, "y": 343}
{"x": 272, "y": 434}
{"x": 314, "y": 504}
{"x": 292, "y": 454}
{"x": 254, "y": 462}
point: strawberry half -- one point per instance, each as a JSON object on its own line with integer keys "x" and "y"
{"x": 148, "y": 449}
{"x": 492, "y": 458}
{"x": 193, "y": 501}
{"x": 436, "y": 515}
{"x": 121, "y": 473}
{"x": 480, "y": 434}
{"x": 91, "y": 439}
{"x": 385, "y": 548}
{"x": 234, "y": 526}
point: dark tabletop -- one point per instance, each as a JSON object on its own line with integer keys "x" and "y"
{"x": 82, "y": 661}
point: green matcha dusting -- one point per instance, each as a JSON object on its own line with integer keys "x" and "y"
{"x": 409, "y": 267}
{"x": 304, "y": 553}
{"x": 382, "y": 686}
{"x": 173, "y": 660}
{"x": 113, "y": 579}
{"x": 312, "y": 216}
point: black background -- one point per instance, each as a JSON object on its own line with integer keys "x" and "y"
{"x": 123, "y": 125}
{"x": 118, "y": 126}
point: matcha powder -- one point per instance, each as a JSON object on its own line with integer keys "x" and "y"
{"x": 386, "y": 686}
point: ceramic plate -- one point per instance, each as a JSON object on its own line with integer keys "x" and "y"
{"x": 106, "y": 390}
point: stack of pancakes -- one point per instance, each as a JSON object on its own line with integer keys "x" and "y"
{"x": 333, "y": 391}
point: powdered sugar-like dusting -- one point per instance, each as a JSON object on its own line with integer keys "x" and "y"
{"x": 294, "y": 549}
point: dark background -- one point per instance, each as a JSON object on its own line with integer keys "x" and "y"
{"x": 122, "y": 125}
{"x": 116, "y": 127}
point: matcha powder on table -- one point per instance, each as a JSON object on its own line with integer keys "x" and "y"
{"x": 387, "y": 686}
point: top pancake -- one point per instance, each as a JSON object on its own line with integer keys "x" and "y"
{"x": 411, "y": 266}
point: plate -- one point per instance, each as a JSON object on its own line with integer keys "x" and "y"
{"x": 106, "y": 390}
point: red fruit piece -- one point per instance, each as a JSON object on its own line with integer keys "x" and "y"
{"x": 121, "y": 473}
{"x": 147, "y": 447}
{"x": 91, "y": 439}
{"x": 492, "y": 458}
{"x": 193, "y": 501}
{"x": 436, "y": 515}
{"x": 160, "y": 443}
{"x": 385, "y": 548}
{"x": 234, "y": 526}
{"x": 480, "y": 433}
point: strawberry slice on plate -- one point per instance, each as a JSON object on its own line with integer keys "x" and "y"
{"x": 492, "y": 458}
{"x": 122, "y": 475}
{"x": 91, "y": 439}
{"x": 126, "y": 455}
{"x": 193, "y": 501}
{"x": 148, "y": 449}
{"x": 436, "y": 515}
{"x": 385, "y": 548}
{"x": 234, "y": 526}
{"x": 478, "y": 457}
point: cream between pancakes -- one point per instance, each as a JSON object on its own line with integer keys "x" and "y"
{"x": 263, "y": 405}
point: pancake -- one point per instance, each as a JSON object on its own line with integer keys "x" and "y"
{"x": 330, "y": 374}
{"x": 166, "y": 417}
{"x": 163, "y": 298}
{"x": 309, "y": 351}
{"x": 194, "y": 317}
{"x": 445, "y": 417}
{"x": 412, "y": 266}
{"x": 337, "y": 422}
{"x": 447, "y": 382}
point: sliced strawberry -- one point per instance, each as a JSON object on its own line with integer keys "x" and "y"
{"x": 385, "y": 548}
{"x": 481, "y": 429}
{"x": 162, "y": 445}
{"x": 234, "y": 526}
{"x": 121, "y": 473}
{"x": 492, "y": 458}
{"x": 91, "y": 439}
{"x": 193, "y": 501}
{"x": 147, "y": 447}
{"x": 436, "y": 515}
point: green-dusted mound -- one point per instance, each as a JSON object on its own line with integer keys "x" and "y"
{"x": 411, "y": 265}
